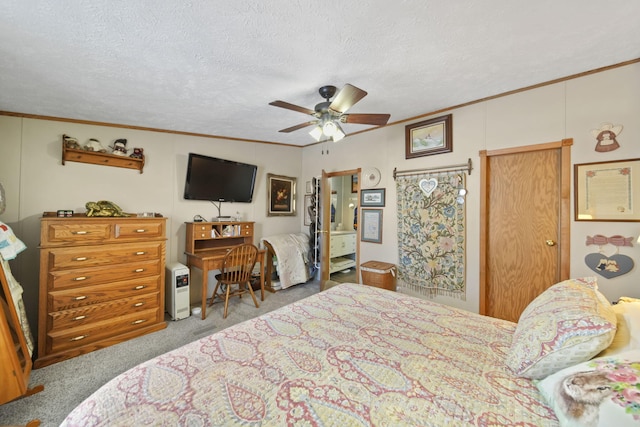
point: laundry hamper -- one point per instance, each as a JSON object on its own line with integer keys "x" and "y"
{"x": 379, "y": 274}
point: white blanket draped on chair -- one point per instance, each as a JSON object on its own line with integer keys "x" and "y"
{"x": 292, "y": 254}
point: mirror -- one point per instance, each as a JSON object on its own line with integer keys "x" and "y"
{"x": 343, "y": 239}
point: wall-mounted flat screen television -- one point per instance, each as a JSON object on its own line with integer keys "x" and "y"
{"x": 219, "y": 180}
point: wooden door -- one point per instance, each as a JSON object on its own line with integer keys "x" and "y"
{"x": 325, "y": 229}
{"x": 525, "y": 223}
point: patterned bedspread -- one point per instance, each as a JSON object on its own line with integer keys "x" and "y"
{"x": 350, "y": 356}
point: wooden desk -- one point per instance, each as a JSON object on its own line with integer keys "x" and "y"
{"x": 212, "y": 260}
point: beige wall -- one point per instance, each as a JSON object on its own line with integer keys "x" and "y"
{"x": 35, "y": 180}
{"x": 551, "y": 113}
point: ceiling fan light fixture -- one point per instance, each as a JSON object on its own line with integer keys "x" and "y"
{"x": 338, "y": 134}
{"x": 329, "y": 128}
{"x": 316, "y": 133}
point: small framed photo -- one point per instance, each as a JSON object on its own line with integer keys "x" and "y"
{"x": 308, "y": 200}
{"x": 371, "y": 228}
{"x": 354, "y": 183}
{"x": 281, "y": 195}
{"x": 372, "y": 198}
{"x": 429, "y": 137}
{"x": 606, "y": 191}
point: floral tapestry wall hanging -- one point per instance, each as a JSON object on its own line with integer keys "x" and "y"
{"x": 431, "y": 233}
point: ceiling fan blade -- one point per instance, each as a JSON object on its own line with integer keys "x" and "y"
{"x": 300, "y": 126}
{"x": 346, "y": 98}
{"x": 366, "y": 119}
{"x": 293, "y": 107}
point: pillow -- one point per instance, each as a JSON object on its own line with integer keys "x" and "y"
{"x": 568, "y": 323}
{"x": 627, "y": 335}
{"x": 612, "y": 384}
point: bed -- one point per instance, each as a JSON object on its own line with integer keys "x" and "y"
{"x": 353, "y": 355}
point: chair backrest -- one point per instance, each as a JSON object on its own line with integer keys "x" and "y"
{"x": 238, "y": 264}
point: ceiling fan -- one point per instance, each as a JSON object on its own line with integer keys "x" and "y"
{"x": 329, "y": 114}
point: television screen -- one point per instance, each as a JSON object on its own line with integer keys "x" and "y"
{"x": 219, "y": 180}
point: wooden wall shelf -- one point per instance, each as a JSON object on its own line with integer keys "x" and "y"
{"x": 104, "y": 159}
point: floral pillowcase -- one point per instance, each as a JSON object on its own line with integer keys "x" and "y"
{"x": 604, "y": 391}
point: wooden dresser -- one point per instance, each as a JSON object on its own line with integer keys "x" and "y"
{"x": 101, "y": 283}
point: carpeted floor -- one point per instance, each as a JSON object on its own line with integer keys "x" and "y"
{"x": 68, "y": 383}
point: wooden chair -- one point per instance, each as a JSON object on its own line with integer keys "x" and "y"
{"x": 237, "y": 269}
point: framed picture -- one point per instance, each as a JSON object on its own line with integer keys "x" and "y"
{"x": 371, "y": 229}
{"x": 607, "y": 191}
{"x": 281, "y": 195}
{"x": 354, "y": 183}
{"x": 308, "y": 200}
{"x": 309, "y": 187}
{"x": 429, "y": 137}
{"x": 372, "y": 198}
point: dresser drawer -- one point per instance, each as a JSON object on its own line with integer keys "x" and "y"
{"x": 57, "y": 233}
{"x": 109, "y": 273}
{"x": 91, "y": 256}
{"x": 88, "y": 295}
{"x": 139, "y": 229}
{"x": 76, "y": 337}
{"x": 75, "y": 317}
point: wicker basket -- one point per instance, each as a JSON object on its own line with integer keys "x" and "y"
{"x": 379, "y": 274}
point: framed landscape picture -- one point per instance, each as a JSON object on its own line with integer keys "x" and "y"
{"x": 429, "y": 137}
{"x": 372, "y": 198}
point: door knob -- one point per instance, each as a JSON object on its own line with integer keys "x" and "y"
{"x": 550, "y": 242}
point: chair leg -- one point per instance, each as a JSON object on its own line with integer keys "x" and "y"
{"x": 215, "y": 292}
{"x": 226, "y": 301}
{"x": 255, "y": 301}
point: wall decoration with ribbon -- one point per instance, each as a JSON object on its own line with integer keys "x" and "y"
{"x": 609, "y": 266}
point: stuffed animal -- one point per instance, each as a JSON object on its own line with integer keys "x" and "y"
{"x": 120, "y": 147}
{"x": 94, "y": 145}
{"x": 138, "y": 153}
{"x": 104, "y": 208}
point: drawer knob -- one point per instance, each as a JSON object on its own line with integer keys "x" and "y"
{"x": 137, "y": 322}
{"x": 80, "y": 258}
{"x": 137, "y": 288}
{"x": 78, "y": 338}
{"x": 81, "y": 233}
{"x": 141, "y": 230}
{"x": 80, "y": 278}
{"x": 138, "y": 270}
{"x": 140, "y": 253}
{"x": 79, "y": 317}
{"x": 80, "y": 298}
{"x": 138, "y": 304}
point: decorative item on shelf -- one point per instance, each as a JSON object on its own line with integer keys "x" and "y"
{"x": 606, "y": 136}
{"x": 70, "y": 142}
{"x": 104, "y": 208}
{"x": 64, "y": 213}
{"x": 94, "y": 145}
{"x": 120, "y": 147}
{"x": 138, "y": 153}
{"x": 609, "y": 266}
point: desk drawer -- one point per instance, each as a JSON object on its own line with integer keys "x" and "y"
{"x": 87, "y": 295}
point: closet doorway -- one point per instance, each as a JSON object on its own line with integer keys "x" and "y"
{"x": 524, "y": 225}
{"x": 340, "y": 242}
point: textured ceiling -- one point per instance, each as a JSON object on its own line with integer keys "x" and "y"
{"x": 212, "y": 67}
